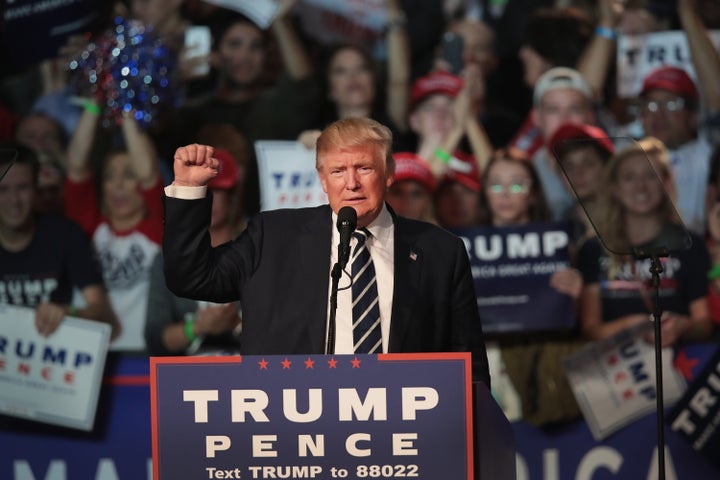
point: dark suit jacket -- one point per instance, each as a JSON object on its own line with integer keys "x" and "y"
{"x": 279, "y": 269}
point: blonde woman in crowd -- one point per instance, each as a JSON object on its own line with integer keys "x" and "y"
{"x": 637, "y": 215}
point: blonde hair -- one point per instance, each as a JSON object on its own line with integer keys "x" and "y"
{"x": 356, "y": 133}
{"x": 612, "y": 225}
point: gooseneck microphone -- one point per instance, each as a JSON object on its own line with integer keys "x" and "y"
{"x": 346, "y": 225}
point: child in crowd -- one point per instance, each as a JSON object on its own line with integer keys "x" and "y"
{"x": 125, "y": 224}
{"x": 411, "y": 192}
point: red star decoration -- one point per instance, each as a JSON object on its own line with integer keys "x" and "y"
{"x": 620, "y": 376}
{"x": 308, "y": 197}
{"x": 282, "y": 199}
{"x": 332, "y": 363}
{"x": 286, "y": 364}
{"x": 612, "y": 360}
{"x": 355, "y": 362}
{"x": 263, "y": 364}
{"x": 309, "y": 363}
{"x": 627, "y": 394}
{"x": 684, "y": 364}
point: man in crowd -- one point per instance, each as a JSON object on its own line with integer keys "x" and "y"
{"x": 44, "y": 257}
{"x": 561, "y": 96}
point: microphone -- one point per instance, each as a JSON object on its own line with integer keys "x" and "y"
{"x": 346, "y": 224}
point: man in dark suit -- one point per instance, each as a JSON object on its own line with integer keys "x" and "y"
{"x": 279, "y": 268}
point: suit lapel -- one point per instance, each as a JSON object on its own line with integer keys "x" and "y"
{"x": 408, "y": 266}
{"x": 315, "y": 238}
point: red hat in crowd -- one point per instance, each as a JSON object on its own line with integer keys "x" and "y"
{"x": 464, "y": 171}
{"x": 574, "y": 131}
{"x": 673, "y": 79}
{"x": 228, "y": 174}
{"x": 408, "y": 166}
{"x": 437, "y": 81}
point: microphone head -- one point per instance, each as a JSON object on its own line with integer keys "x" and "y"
{"x": 347, "y": 217}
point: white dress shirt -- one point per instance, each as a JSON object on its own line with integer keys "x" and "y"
{"x": 382, "y": 248}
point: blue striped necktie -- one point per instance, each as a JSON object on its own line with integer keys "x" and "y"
{"x": 367, "y": 336}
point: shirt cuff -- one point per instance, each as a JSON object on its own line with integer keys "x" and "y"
{"x": 185, "y": 193}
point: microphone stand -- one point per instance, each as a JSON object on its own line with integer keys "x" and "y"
{"x": 335, "y": 275}
{"x": 654, "y": 254}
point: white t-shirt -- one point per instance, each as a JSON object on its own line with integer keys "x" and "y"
{"x": 690, "y": 164}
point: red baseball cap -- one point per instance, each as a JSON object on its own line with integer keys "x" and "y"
{"x": 229, "y": 173}
{"x": 464, "y": 171}
{"x": 575, "y": 131}
{"x": 672, "y": 79}
{"x": 408, "y": 166}
{"x": 437, "y": 81}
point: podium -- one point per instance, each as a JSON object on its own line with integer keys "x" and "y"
{"x": 494, "y": 438}
{"x": 386, "y": 416}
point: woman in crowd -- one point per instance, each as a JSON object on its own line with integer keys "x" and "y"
{"x": 639, "y": 219}
{"x": 512, "y": 195}
{"x": 352, "y": 86}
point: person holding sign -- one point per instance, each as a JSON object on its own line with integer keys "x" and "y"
{"x": 279, "y": 267}
{"x": 637, "y": 214}
{"x": 43, "y": 257}
{"x": 532, "y": 343}
{"x": 512, "y": 195}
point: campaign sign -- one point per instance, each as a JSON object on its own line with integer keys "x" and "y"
{"x": 262, "y": 12}
{"x": 696, "y": 416}
{"x": 56, "y": 379}
{"x": 613, "y": 379}
{"x": 318, "y": 416}
{"x": 360, "y": 22}
{"x": 511, "y": 268}
{"x": 36, "y": 29}
{"x": 288, "y": 178}
{"x": 638, "y": 55}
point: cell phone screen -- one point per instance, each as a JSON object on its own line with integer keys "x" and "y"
{"x": 198, "y": 43}
{"x": 452, "y": 51}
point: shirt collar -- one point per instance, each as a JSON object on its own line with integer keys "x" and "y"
{"x": 381, "y": 228}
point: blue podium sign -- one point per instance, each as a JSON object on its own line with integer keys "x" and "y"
{"x": 345, "y": 416}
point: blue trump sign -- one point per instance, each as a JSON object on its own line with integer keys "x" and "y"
{"x": 343, "y": 416}
{"x": 696, "y": 416}
{"x": 512, "y": 268}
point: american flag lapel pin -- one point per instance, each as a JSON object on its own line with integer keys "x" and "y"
{"x": 413, "y": 256}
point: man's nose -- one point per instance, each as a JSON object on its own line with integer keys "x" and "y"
{"x": 351, "y": 180}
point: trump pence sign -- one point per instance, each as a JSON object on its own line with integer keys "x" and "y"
{"x": 385, "y": 416}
